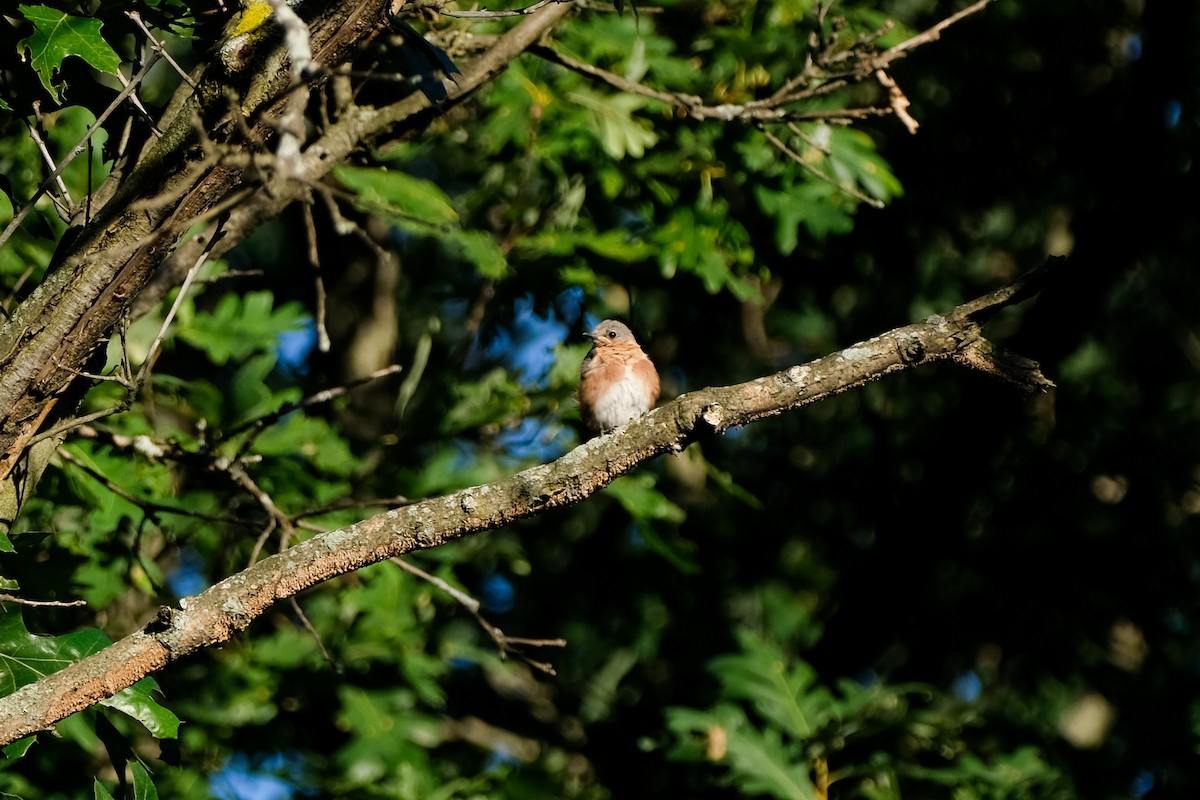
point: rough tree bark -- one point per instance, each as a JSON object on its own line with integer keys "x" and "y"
{"x": 228, "y": 607}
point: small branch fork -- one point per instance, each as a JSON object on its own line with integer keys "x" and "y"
{"x": 228, "y": 607}
{"x": 830, "y": 69}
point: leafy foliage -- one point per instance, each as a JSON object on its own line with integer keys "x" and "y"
{"x": 780, "y": 733}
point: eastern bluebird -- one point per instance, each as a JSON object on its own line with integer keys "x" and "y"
{"x": 617, "y": 382}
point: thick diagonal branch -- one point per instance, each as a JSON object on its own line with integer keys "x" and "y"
{"x": 46, "y": 346}
{"x": 230, "y": 606}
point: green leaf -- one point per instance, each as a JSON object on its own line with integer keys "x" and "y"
{"x": 783, "y": 693}
{"x": 19, "y": 748}
{"x": 698, "y": 246}
{"x": 310, "y": 438}
{"x": 399, "y": 194}
{"x": 143, "y": 785}
{"x": 821, "y": 208}
{"x": 854, "y": 161}
{"x": 136, "y": 702}
{"x": 241, "y": 325}
{"x": 621, "y": 134}
{"x": 26, "y": 658}
{"x": 764, "y": 764}
{"x": 615, "y": 244}
{"x": 761, "y": 761}
{"x": 99, "y": 792}
{"x": 494, "y": 398}
{"x": 482, "y": 250}
{"x": 56, "y": 36}
{"x": 637, "y": 495}
{"x": 601, "y": 691}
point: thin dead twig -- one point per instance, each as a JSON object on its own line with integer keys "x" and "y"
{"x": 312, "y": 631}
{"x": 66, "y": 203}
{"x": 314, "y": 260}
{"x": 236, "y": 471}
{"x": 485, "y": 14}
{"x": 506, "y": 644}
{"x": 349, "y": 503}
{"x": 12, "y": 598}
{"x": 930, "y": 34}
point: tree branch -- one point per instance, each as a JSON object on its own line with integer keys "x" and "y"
{"x": 230, "y": 606}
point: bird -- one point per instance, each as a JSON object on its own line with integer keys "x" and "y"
{"x": 617, "y": 381}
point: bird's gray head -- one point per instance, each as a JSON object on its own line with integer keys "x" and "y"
{"x": 610, "y": 331}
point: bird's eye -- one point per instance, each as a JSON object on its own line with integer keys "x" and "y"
{"x": 612, "y": 334}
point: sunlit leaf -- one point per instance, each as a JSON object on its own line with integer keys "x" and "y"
{"x": 241, "y": 324}
{"x": 57, "y": 36}
{"x": 398, "y": 193}
{"x": 621, "y": 133}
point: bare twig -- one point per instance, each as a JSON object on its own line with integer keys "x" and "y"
{"x": 505, "y": 643}
{"x": 55, "y": 173}
{"x": 931, "y": 34}
{"x": 485, "y": 14}
{"x": 161, "y": 49}
{"x": 179, "y": 297}
{"x": 349, "y": 503}
{"x": 314, "y": 260}
{"x": 897, "y": 100}
{"x": 312, "y": 631}
{"x": 841, "y": 186}
{"x": 771, "y": 109}
{"x": 276, "y": 518}
{"x": 803, "y": 86}
{"x": 16, "y": 288}
{"x": 11, "y": 598}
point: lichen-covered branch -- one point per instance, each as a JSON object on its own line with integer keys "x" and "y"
{"x": 230, "y": 606}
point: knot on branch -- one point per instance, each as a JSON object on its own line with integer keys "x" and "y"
{"x": 713, "y": 415}
{"x": 910, "y": 348}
